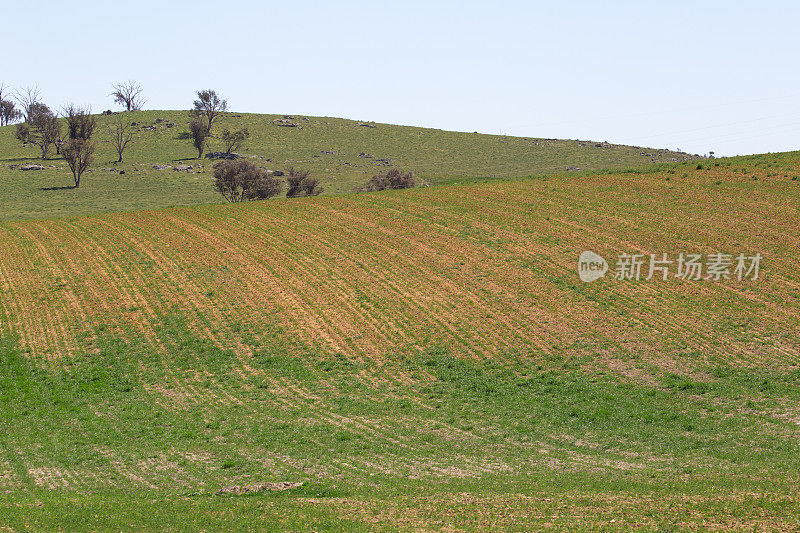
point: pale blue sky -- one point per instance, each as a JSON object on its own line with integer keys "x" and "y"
{"x": 700, "y": 75}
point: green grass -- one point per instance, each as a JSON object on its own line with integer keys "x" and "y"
{"x": 435, "y": 155}
{"x": 570, "y": 447}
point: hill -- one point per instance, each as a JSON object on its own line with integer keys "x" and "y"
{"x": 342, "y": 153}
{"x": 421, "y": 358}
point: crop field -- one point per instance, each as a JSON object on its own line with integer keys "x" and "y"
{"x": 342, "y": 153}
{"x": 424, "y": 359}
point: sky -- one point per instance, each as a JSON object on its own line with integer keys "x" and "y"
{"x": 700, "y": 76}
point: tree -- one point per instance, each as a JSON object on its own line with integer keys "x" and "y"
{"x": 120, "y": 136}
{"x": 199, "y": 134}
{"x": 233, "y": 140}
{"x": 78, "y": 153}
{"x": 209, "y": 105}
{"x": 8, "y": 112}
{"x": 300, "y": 184}
{"x": 80, "y": 122}
{"x": 242, "y": 180}
{"x": 128, "y": 95}
{"x": 44, "y": 128}
{"x": 29, "y": 103}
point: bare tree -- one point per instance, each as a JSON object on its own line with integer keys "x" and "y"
{"x": 121, "y": 135}
{"x": 210, "y": 106}
{"x": 233, "y": 140}
{"x": 29, "y": 101}
{"x": 78, "y": 153}
{"x": 199, "y": 133}
{"x": 129, "y": 95}
{"x": 242, "y": 180}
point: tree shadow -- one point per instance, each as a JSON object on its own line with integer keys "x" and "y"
{"x": 186, "y": 159}
{"x": 184, "y": 136}
{"x": 62, "y": 188}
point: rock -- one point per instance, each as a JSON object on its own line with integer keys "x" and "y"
{"x": 159, "y": 120}
{"x": 222, "y": 155}
{"x": 284, "y": 122}
{"x": 32, "y": 166}
{"x": 364, "y": 154}
{"x": 277, "y": 173}
{"x": 161, "y": 167}
{"x": 328, "y": 152}
{"x": 182, "y": 168}
{"x": 122, "y": 172}
{"x": 366, "y": 125}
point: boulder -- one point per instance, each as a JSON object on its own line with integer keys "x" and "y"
{"x": 32, "y": 166}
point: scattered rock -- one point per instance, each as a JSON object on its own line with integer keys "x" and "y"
{"x": 261, "y": 487}
{"x": 222, "y": 155}
{"x": 277, "y": 173}
{"x": 364, "y": 154}
{"x": 161, "y": 167}
{"x": 122, "y": 172}
{"x": 182, "y": 168}
{"x": 32, "y": 166}
{"x": 572, "y": 168}
{"x": 366, "y": 125}
{"x": 328, "y": 152}
{"x": 285, "y": 122}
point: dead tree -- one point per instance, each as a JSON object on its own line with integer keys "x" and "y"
{"x": 128, "y": 95}
{"x": 120, "y": 136}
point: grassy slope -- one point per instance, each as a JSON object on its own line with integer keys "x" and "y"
{"x": 417, "y": 358}
{"x": 434, "y": 154}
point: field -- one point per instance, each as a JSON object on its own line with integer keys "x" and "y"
{"x": 419, "y": 360}
{"x": 331, "y": 148}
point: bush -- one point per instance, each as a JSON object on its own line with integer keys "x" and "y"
{"x": 394, "y": 179}
{"x": 300, "y": 184}
{"x": 241, "y": 180}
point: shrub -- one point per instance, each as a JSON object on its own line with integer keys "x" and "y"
{"x": 241, "y": 180}
{"x": 300, "y": 184}
{"x": 394, "y": 179}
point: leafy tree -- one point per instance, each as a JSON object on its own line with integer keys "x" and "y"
{"x": 44, "y": 128}
{"x": 199, "y": 134}
{"x": 8, "y": 110}
{"x": 80, "y": 122}
{"x": 233, "y": 140}
{"x": 210, "y": 106}
{"x": 241, "y": 180}
{"x": 128, "y": 95}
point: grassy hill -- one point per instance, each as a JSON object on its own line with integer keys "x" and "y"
{"x": 330, "y": 147}
{"x": 417, "y": 359}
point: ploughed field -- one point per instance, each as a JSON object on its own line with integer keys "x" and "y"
{"x": 419, "y": 358}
